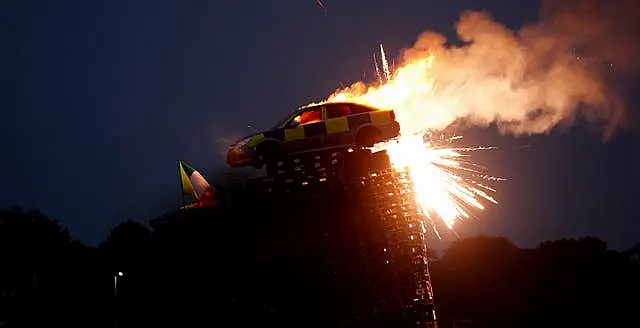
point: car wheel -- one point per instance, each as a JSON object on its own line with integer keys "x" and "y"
{"x": 270, "y": 153}
{"x": 257, "y": 163}
{"x": 368, "y": 136}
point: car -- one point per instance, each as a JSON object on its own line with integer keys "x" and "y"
{"x": 314, "y": 128}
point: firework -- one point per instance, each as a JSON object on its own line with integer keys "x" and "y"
{"x": 447, "y": 185}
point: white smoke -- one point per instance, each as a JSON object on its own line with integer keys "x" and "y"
{"x": 529, "y": 81}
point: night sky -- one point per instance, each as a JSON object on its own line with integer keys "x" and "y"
{"x": 101, "y": 98}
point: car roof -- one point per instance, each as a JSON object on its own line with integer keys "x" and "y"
{"x": 317, "y": 105}
{"x": 336, "y": 103}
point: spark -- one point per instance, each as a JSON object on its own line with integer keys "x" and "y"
{"x": 378, "y": 74}
{"x": 385, "y": 64}
{"x": 322, "y": 6}
{"x": 447, "y": 184}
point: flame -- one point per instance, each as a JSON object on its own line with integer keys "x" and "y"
{"x": 525, "y": 81}
{"x": 408, "y": 90}
{"x": 447, "y": 186}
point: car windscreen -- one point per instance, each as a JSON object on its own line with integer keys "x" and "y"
{"x": 285, "y": 119}
{"x": 359, "y": 109}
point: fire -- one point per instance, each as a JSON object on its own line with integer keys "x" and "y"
{"x": 525, "y": 81}
{"x": 407, "y": 87}
{"x": 447, "y": 186}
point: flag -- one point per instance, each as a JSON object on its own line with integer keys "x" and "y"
{"x": 195, "y": 185}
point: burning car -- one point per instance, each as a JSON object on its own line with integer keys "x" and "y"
{"x": 314, "y": 128}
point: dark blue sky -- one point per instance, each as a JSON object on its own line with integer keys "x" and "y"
{"x": 101, "y": 98}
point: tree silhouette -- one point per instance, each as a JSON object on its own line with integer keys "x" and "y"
{"x": 128, "y": 240}
{"x": 43, "y": 268}
{"x": 31, "y": 234}
{"x": 297, "y": 263}
{"x": 634, "y": 253}
{"x": 559, "y": 283}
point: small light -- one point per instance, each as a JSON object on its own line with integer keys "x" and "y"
{"x": 120, "y": 273}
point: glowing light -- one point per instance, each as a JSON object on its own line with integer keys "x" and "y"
{"x": 446, "y": 184}
{"x": 443, "y": 179}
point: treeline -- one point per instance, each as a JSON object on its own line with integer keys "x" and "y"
{"x": 242, "y": 269}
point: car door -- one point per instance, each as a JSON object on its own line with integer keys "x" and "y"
{"x": 305, "y": 131}
{"x": 337, "y": 125}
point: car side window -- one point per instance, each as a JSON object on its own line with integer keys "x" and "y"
{"x": 338, "y": 110}
{"x": 308, "y": 117}
{"x": 357, "y": 109}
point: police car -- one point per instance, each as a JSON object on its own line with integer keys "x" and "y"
{"x": 314, "y": 128}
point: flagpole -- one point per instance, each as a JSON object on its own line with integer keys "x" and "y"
{"x": 181, "y": 185}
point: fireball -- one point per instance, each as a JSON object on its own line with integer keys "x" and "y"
{"x": 446, "y": 184}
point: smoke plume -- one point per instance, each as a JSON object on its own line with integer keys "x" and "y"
{"x": 563, "y": 67}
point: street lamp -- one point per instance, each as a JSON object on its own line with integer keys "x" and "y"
{"x": 115, "y": 283}
{"x": 115, "y": 294}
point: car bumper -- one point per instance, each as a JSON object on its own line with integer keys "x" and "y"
{"x": 390, "y": 131}
{"x": 240, "y": 157}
